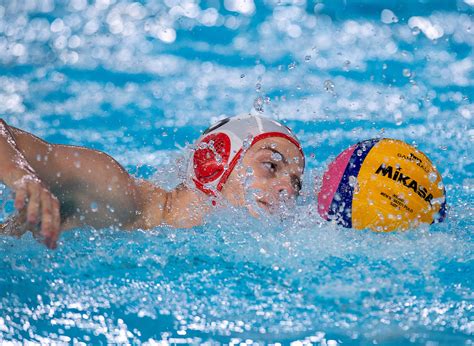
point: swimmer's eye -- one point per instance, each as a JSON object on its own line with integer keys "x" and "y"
{"x": 270, "y": 166}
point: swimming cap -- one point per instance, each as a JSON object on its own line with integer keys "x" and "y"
{"x": 220, "y": 147}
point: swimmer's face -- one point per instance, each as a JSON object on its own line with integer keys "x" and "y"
{"x": 271, "y": 171}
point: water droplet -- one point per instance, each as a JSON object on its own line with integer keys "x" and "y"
{"x": 276, "y": 157}
{"x": 329, "y": 86}
{"x": 242, "y": 75}
{"x": 432, "y": 177}
{"x": 247, "y": 143}
{"x": 258, "y": 87}
{"x": 406, "y": 72}
{"x": 352, "y": 181}
{"x": 292, "y": 66}
{"x": 258, "y": 104}
{"x": 307, "y": 58}
{"x": 94, "y": 207}
{"x": 415, "y": 31}
{"x": 347, "y": 65}
{"x": 398, "y": 119}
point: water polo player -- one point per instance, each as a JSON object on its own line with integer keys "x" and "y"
{"x": 247, "y": 160}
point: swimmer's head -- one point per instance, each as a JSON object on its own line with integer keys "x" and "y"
{"x": 258, "y": 150}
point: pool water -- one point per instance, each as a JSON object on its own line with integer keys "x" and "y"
{"x": 140, "y": 80}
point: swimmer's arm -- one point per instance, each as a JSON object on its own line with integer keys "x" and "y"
{"x": 92, "y": 187}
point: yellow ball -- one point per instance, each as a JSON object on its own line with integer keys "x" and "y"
{"x": 384, "y": 185}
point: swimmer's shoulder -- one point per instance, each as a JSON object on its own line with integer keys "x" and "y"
{"x": 153, "y": 205}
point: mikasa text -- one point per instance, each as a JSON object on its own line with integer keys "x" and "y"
{"x": 399, "y": 177}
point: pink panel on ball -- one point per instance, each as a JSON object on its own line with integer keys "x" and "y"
{"x": 331, "y": 180}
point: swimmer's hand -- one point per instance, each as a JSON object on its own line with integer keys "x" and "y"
{"x": 41, "y": 207}
{"x": 32, "y": 196}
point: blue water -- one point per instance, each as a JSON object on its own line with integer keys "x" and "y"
{"x": 141, "y": 80}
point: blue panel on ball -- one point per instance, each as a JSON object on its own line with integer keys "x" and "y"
{"x": 341, "y": 206}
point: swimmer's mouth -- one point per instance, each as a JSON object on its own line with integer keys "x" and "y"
{"x": 270, "y": 207}
{"x": 264, "y": 205}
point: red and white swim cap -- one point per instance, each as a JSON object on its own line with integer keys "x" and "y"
{"x": 220, "y": 147}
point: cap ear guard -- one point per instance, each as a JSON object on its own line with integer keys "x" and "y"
{"x": 211, "y": 157}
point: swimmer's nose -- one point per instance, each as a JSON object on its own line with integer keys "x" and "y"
{"x": 285, "y": 189}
